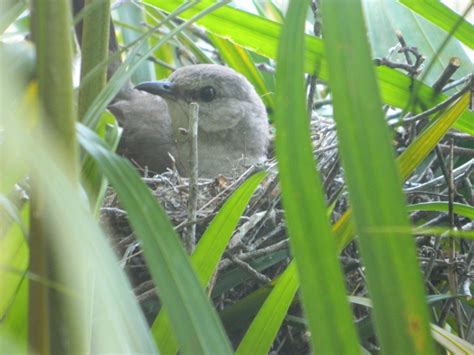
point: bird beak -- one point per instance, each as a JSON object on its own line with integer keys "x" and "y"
{"x": 162, "y": 88}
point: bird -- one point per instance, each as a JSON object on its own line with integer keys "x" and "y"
{"x": 233, "y": 128}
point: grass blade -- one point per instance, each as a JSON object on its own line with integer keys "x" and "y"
{"x": 444, "y": 17}
{"x": 264, "y": 328}
{"x": 459, "y": 208}
{"x": 314, "y": 249}
{"x": 374, "y": 185}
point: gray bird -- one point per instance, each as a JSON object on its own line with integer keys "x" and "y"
{"x": 233, "y": 126}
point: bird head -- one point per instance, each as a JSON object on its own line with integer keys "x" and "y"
{"x": 225, "y": 97}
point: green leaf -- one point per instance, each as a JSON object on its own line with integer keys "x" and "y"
{"x": 264, "y": 328}
{"x": 322, "y": 283}
{"x": 194, "y": 320}
{"x": 92, "y": 179}
{"x": 208, "y": 253}
{"x": 82, "y": 249}
{"x": 459, "y": 208}
{"x": 393, "y": 276}
{"x": 449, "y": 341}
{"x": 409, "y": 160}
{"x": 94, "y": 51}
{"x": 10, "y": 10}
{"x": 444, "y": 17}
{"x": 14, "y": 257}
{"x": 132, "y": 14}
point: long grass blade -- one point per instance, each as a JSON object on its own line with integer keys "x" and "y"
{"x": 313, "y": 245}
{"x": 393, "y": 276}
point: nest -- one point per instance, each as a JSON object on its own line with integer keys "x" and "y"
{"x": 259, "y": 249}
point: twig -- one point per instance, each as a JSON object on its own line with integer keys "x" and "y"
{"x": 283, "y": 244}
{"x": 467, "y": 152}
{"x": 249, "y": 269}
{"x": 453, "y": 66}
{"x": 317, "y": 17}
{"x": 394, "y": 65}
{"x": 190, "y": 235}
{"x": 460, "y": 136}
{"x": 413, "y": 69}
{"x": 434, "y": 109}
{"x": 113, "y": 210}
{"x": 311, "y": 92}
{"x": 458, "y": 172}
{"x": 457, "y": 82}
{"x": 452, "y": 275}
{"x": 403, "y": 43}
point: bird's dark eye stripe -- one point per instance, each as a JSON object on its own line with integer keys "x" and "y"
{"x": 207, "y": 93}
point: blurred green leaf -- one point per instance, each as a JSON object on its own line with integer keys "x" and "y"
{"x": 449, "y": 341}
{"x": 269, "y": 10}
{"x": 459, "y": 208}
{"x": 313, "y": 245}
{"x": 445, "y": 18}
{"x": 264, "y": 328}
{"x": 13, "y": 327}
{"x": 132, "y": 13}
{"x": 92, "y": 179}
{"x": 183, "y": 40}
{"x": 14, "y": 281}
{"x": 393, "y": 277}
{"x": 9, "y": 11}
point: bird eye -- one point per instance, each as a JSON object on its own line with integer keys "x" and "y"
{"x": 207, "y": 93}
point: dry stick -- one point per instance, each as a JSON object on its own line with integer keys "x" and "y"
{"x": 411, "y": 68}
{"x": 460, "y": 136}
{"x": 458, "y": 82}
{"x": 241, "y": 178}
{"x": 190, "y": 235}
{"x": 453, "y": 282}
{"x": 434, "y": 109}
{"x": 448, "y": 173}
{"x": 249, "y": 269}
{"x": 467, "y": 152}
{"x": 448, "y": 72}
{"x": 251, "y": 255}
{"x": 403, "y": 43}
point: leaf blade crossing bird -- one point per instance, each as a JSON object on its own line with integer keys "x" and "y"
{"x": 233, "y": 124}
